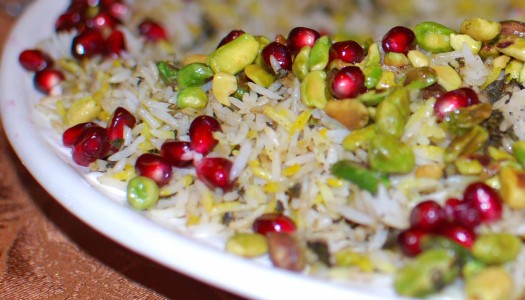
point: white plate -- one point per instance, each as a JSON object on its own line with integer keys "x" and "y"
{"x": 38, "y": 148}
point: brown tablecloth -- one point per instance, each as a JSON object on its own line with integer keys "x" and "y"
{"x": 47, "y": 253}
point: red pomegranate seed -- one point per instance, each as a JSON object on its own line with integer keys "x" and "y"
{"x": 155, "y": 167}
{"x": 48, "y": 81}
{"x": 91, "y": 145}
{"x": 399, "y": 39}
{"x": 427, "y": 215}
{"x": 300, "y": 37}
{"x": 115, "y": 43}
{"x": 280, "y": 53}
{"x": 347, "y": 51}
{"x": 117, "y": 9}
{"x": 34, "y": 60}
{"x": 87, "y": 44}
{"x": 459, "y": 212}
{"x": 485, "y": 200}
{"x": 102, "y": 21}
{"x": 273, "y": 223}
{"x": 459, "y": 234}
{"x": 121, "y": 118}
{"x": 152, "y": 31}
{"x": 201, "y": 134}
{"x": 71, "y": 135}
{"x": 348, "y": 82}
{"x": 215, "y": 172}
{"x": 177, "y": 153}
{"x": 409, "y": 240}
{"x": 450, "y": 101}
{"x": 68, "y": 21}
{"x": 230, "y": 37}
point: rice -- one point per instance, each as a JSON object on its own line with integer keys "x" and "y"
{"x": 281, "y": 150}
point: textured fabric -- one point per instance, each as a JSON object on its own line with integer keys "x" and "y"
{"x": 47, "y": 253}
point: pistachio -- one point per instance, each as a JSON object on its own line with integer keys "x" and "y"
{"x": 433, "y": 171}
{"x": 319, "y": 54}
{"x": 512, "y": 27}
{"x": 359, "y": 175}
{"x": 458, "y": 40}
{"x": 223, "y": 85}
{"x": 481, "y": 286}
{"x": 301, "y": 64}
{"x": 467, "y": 166}
{"x": 194, "y": 58}
{"x": 518, "y": 150}
{"x": 420, "y": 78}
{"x": 372, "y": 75}
{"x": 259, "y": 75}
{"x": 233, "y": 57}
{"x": 467, "y": 143}
{"x": 433, "y": 37}
{"x": 418, "y": 59}
{"x": 390, "y": 155}
{"x": 167, "y": 72}
{"x": 81, "y": 111}
{"x": 480, "y": 29}
{"x": 313, "y": 89}
{"x": 512, "y": 46}
{"x": 359, "y": 138}
{"x": 392, "y": 113}
{"x": 396, "y": 59}
{"x": 247, "y": 245}
{"x": 463, "y": 119}
{"x": 386, "y": 81}
{"x": 496, "y": 248}
{"x": 427, "y": 273}
{"x": 374, "y": 97}
{"x": 513, "y": 187}
{"x": 448, "y": 77}
{"x": 194, "y": 74}
{"x": 193, "y": 97}
{"x": 513, "y": 69}
{"x": 286, "y": 252}
{"x": 352, "y": 113}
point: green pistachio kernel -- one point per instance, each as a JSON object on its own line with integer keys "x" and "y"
{"x": 492, "y": 283}
{"x": 247, "y": 245}
{"x": 480, "y": 29}
{"x": 319, "y": 54}
{"x": 390, "y": 155}
{"x": 359, "y": 175}
{"x": 433, "y": 37}
{"x": 512, "y": 46}
{"x": 427, "y": 273}
{"x": 420, "y": 78}
{"x": 359, "y": 138}
{"x": 518, "y": 150}
{"x": 512, "y": 187}
{"x": 194, "y": 74}
{"x": 393, "y": 112}
{"x": 167, "y": 72}
{"x": 496, "y": 248}
{"x": 233, "y": 57}
{"x": 352, "y": 113}
{"x": 193, "y": 97}
{"x": 83, "y": 110}
{"x": 395, "y": 59}
{"x": 142, "y": 192}
{"x": 301, "y": 63}
{"x": 467, "y": 143}
{"x": 313, "y": 89}
{"x": 259, "y": 75}
{"x": 458, "y": 40}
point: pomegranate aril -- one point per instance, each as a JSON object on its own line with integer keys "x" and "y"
{"x": 116, "y": 43}
{"x": 155, "y": 167}
{"x": 177, "y": 153}
{"x": 455, "y": 99}
{"x": 201, "y": 134}
{"x": 461, "y": 235}
{"x": 348, "y": 82}
{"x": 121, "y": 118}
{"x": 230, "y": 37}
{"x": 409, "y": 240}
{"x": 48, "y": 81}
{"x": 102, "y": 20}
{"x": 214, "y": 172}
{"x": 300, "y": 37}
{"x": 152, "y": 31}
{"x": 280, "y": 53}
{"x": 91, "y": 145}
{"x": 459, "y": 212}
{"x": 68, "y": 21}
{"x": 87, "y": 44}
{"x": 347, "y": 51}
{"x": 34, "y": 60}
{"x": 485, "y": 200}
{"x": 399, "y": 39}
{"x": 427, "y": 215}
{"x": 273, "y": 223}
{"x": 71, "y": 135}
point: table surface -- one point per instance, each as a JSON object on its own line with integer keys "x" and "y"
{"x": 47, "y": 253}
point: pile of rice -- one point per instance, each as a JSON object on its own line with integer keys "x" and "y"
{"x": 281, "y": 149}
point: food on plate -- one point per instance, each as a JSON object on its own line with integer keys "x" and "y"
{"x": 399, "y": 155}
